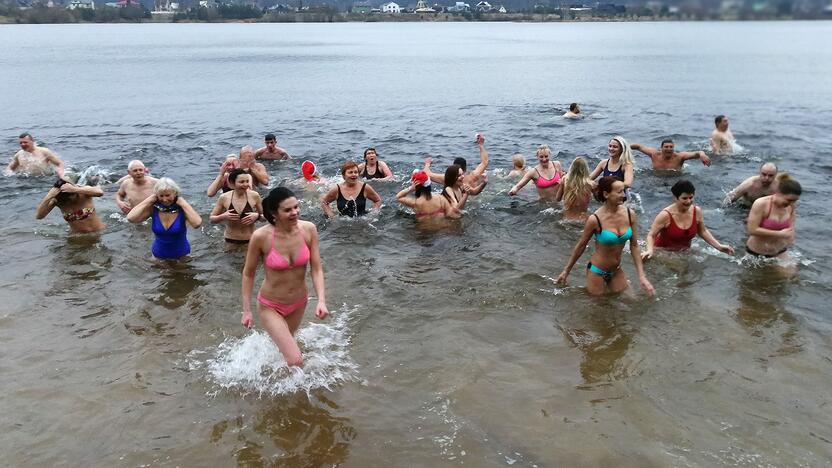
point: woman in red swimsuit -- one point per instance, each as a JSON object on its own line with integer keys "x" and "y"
{"x": 668, "y": 232}
{"x": 286, "y": 246}
{"x": 771, "y": 220}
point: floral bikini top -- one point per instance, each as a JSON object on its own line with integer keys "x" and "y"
{"x": 79, "y": 215}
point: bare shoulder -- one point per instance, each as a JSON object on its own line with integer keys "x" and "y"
{"x": 254, "y": 194}
{"x": 309, "y": 230}
{"x": 261, "y": 233}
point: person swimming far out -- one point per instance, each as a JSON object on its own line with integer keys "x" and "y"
{"x": 613, "y": 225}
{"x": 667, "y": 232}
{"x": 574, "y": 111}
{"x": 171, "y": 216}
{"x": 76, "y": 204}
{"x": 424, "y": 204}
{"x": 350, "y": 195}
{"x": 286, "y": 246}
{"x": 575, "y": 190}
{"x": 772, "y": 218}
{"x": 546, "y": 175}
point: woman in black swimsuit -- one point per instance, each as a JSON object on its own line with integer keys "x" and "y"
{"x": 351, "y": 195}
{"x": 379, "y": 169}
{"x": 241, "y": 207}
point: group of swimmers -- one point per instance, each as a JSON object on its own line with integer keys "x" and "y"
{"x": 287, "y": 244}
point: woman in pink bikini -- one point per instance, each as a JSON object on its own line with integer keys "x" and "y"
{"x": 546, "y": 176}
{"x": 771, "y": 220}
{"x": 286, "y": 246}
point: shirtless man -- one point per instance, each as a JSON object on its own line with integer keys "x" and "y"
{"x": 667, "y": 158}
{"x": 249, "y": 164}
{"x": 474, "y": 181}
{"x": 574, "y": 111}
{"x": 134, "y": 188}
{"x": 754, "y": 187}
{"x": 271, "y": 151}
{"x": 33, "y": 159}
{"x": 722, "y": 140}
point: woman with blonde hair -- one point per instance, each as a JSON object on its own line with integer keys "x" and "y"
{"x": 575, "y": 190}
{"x": 620, "y": 164}
{"x": 546, "y": 175}
{"x": 518, "y": 166}
{"x": 171, "y": 216}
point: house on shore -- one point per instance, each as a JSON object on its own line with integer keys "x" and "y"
{"x": 81, "y": 5}
{"x": 391, "y": 8}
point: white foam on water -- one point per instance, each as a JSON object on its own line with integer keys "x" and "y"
{"x": 253, "y": 364}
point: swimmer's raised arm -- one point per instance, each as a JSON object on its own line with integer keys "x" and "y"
{"x": 483, "y": 165}
{"x": 191, "y": 216}
{"x": 644, "y": 149}
{"x": 142, "y": 211}
{"x": 83, "y": 190}
{"x": 55, "y": 161}
{"x": 696, "y": 155}
{"x": 403, "y": 198}
{"x": 434, "y": 177}
{"x": 47, "y": 203}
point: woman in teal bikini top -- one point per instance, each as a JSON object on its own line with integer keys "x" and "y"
{"x": 603, "y": 271}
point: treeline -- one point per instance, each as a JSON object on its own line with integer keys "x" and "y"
{"x": 104, "y": 14}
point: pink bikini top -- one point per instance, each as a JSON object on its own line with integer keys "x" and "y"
{"x": 772, "y": 224}
{"x": 544, "y": 183}
{"x": 275, "y": 261}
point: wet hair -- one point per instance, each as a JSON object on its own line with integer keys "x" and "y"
{"x": 26, "y": 135}
{"x": 767, "y": 163}
{"x": 452, "y": 175}
{"x": 543, "y": 149}
{"x": 605, "y": 185}
{"x": 421, "y": 190}
{"x": 626, "y": 152}
{"x": 718, "y": 119}
{"x": 462, "y": 163}
{"x": 273, "y": 200}
{"x": 134, "y": 163}
{"x": 518, "y": 161}
{"x": 576, "y": 182}
{"x": 246, "y": 149}
{"x": 165, "y": 183}
{"x": 666, "y": 140}
{"x": 347, "y": 166}
{"x": 786, "y": 185}
{"x": 232, "y": 176}
{"x": 368, "y": 150}
{"x": 573, "y": 106}
{"x": 270, "y": 137}
{"x": 682, "y": 186}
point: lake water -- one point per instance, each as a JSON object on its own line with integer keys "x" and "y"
{"x": 443, "y": 348}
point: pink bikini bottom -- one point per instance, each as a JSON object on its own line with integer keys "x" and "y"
{"x": 283, "y": 309}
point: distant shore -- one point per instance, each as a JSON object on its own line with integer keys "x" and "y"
{"x": 329, "y": 15}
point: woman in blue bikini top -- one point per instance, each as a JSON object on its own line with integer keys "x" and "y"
{"x": 613, "y": 225}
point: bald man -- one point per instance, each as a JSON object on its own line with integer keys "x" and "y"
{"x": 754, "y": 187}
{"x": 134, "y": 188}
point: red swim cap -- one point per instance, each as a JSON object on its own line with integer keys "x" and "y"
{"x": 308, "y": 169}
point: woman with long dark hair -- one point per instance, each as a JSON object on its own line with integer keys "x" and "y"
{"x": 286, "y": 246}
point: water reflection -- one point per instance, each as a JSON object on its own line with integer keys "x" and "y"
{"x": 297, "y": 431}
{"x": 763, "y": 293}
{"x": 603, "y": 336}
{"x": 177, "y": 280}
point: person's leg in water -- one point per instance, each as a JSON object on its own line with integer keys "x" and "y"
{"x": 282, "y": 331}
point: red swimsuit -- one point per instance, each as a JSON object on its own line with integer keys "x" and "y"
{"x": 675, "y": 238}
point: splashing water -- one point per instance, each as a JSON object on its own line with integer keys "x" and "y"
{"x": 253, "y": 364}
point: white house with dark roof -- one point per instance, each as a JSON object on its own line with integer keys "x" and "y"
{"x": 391, "y": 7}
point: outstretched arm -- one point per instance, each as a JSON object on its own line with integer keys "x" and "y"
{"x": 738, "y": 192}
{"x": 636, "y": 253}
{"x": 483, "y": 165}
{"x": 403, "y": 198}
{"x": 434, "y": 176}
{"x": 321, "y": 310}
{"x": 55, "y": 161}
{"x": 662, "y": 221}
{"x": 522, "y": 183}
{"x": 47, "y": 203}
{"x": 696, "y": 155}
{"x": 644, "y": 149}
{"x": 590, "y": 227}
{"x": 706, "y": 235}
{"x": 142, "y": 211}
